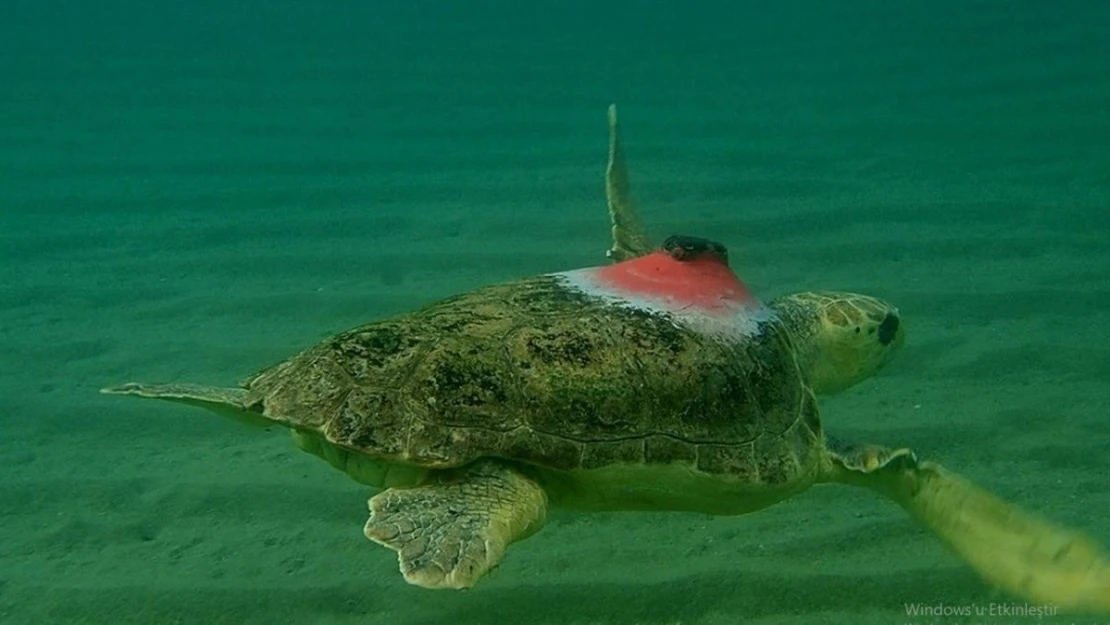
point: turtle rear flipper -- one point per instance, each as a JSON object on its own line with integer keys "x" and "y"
{"x": 226, "y": 402}
{"x": 449, "y": 532}
{"x": 1009, "y": 547}
{"x": 629, "y": 240}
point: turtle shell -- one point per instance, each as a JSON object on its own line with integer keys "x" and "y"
{"x": 656, "y": 360}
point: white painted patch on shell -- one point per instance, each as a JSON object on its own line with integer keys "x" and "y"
{"x": 735, "y": 321}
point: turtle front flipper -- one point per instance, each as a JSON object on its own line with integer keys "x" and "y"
{"x": 629, "y": 240}
{"x": 1009, "y": 547}
{"x": 450, "y": 531}
{"x": 226, "y": 402}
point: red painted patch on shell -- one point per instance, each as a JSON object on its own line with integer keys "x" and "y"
{"x": 703, "y": 283}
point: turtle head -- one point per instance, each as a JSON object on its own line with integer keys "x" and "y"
{"x": 841, "y": 338}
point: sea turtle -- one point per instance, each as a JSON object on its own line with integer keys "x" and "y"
{"x": 658, "y": 382}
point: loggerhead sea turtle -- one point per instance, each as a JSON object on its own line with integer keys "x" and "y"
{"x": 655, "y": 383}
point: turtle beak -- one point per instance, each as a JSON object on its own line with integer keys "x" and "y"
{"x": 888, "y": 329}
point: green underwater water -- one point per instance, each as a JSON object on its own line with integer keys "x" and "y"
{"x": 192, "y": 191}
